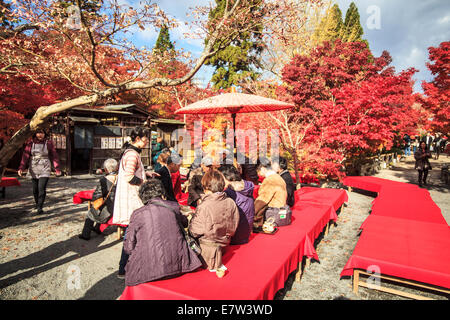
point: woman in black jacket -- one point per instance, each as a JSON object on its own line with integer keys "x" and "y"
{"x": 106, "y": 185}
{"x": 422, "y": 163}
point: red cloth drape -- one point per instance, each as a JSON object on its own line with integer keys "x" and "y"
{"x": 257, "y": 270}
{"x": 333, "y": 197}
{"x": 83, "y": 196}
{"x": 176, "y": 182}
{"x": 405, "y": 236}
{"x": 402, "y": 248}
{"x": 9, "y": 182}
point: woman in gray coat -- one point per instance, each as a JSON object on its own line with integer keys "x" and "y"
{"x": 154, "y": 240}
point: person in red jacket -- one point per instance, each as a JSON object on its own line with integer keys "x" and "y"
{"x": 38, "y": 156}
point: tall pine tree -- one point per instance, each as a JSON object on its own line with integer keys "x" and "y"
{"x": 240, "y": 59}
{"x": 352, "y": 29}
{"x": 163, "y": 43}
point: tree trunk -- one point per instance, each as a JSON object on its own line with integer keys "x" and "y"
{"x": 297, "y": 176}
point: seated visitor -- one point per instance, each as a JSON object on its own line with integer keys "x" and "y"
{"x": 173, "y": 165}
{"x": 106, "y": 189}
{"x": 272, "y": 193}
{"x": 280, "y": 167}
{"x": 214, "y": 222}
{"x": 156, "y": 247}
{"x": 241, "y": 191}
{"x": 194, "y": 185}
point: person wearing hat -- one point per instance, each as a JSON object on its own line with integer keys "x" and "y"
{"x": 173, "y": 165}
{"x": 195, "y": 188}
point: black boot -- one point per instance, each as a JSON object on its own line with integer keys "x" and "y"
{"x": 96, "y": 228}
{"x": 86, "y": 233}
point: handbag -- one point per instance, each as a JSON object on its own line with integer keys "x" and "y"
{"x": 191, "y": 241}
{"x": 96, "y": 204}
{"x": 281, "y": 216}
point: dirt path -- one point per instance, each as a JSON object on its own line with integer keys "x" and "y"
{"x": 42, "y": 258}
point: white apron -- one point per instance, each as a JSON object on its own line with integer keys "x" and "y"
{"x": 127, "y": 195}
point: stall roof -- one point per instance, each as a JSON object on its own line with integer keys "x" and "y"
{"x": 101, "y": 110}
{"x": 168, "y": 121}
{"x": 83, "y": 119}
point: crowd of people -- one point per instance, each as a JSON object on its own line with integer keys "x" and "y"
{"x": 223, "y": 209}
{"x": 161, "y": 238}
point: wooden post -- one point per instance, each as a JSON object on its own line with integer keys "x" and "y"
{"x": 119, "y": 232}
{"x": 326, "y": 228}
{"x": 355, "y": 281}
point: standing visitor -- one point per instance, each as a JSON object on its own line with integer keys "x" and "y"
{"x": 131, "y": 175}
{"x": 437, "y": 146}
{"x": 415, "y": 144}
{"x": 155, "y": 243}
{"x": 407, "y": 141}
{"x": 38, "y": 156}
{"x": 422, "y": 163}
{"x": 429, "y": 141}
{"x": 214, "y": 222}
{"x": 159, "y": 146}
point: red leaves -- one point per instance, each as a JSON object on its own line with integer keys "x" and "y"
{"x": 357, "y": 101}
{"x": 437, "y": 92}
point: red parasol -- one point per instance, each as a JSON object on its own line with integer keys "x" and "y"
{"x": 233, "y": 103}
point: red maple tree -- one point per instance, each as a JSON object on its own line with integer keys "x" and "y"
{"x": 437, "y": 91}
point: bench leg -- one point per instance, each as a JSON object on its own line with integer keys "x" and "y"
{"x": 327, "y": 228}
{"x": 350, "y": 189}
{"x": 3, "y": 191}
{"x": 119, "y": 233}
{"x": 298, "y": 275}
{"x": 355, "y": 281}
{"x": 308, "y": 262}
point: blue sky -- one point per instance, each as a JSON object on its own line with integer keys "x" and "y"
{"x": 405, "y": 28}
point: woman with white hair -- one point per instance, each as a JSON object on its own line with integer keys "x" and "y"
{"x": 106, "y": 189}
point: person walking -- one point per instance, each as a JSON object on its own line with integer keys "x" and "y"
{"x": 38, "y": 157}
{"x": 429, "y": 141}
{"x": 437, "y": 146}
{"x": 130, "y": 176}
{"x": 422, "y": 163}
{"x": 407, "y": 141}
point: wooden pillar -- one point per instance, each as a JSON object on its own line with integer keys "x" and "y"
{"x": 68, "y": 147}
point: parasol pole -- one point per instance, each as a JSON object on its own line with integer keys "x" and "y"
{"x": 233, "y": 115}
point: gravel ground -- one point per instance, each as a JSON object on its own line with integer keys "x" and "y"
{"x": 42, "y": 258}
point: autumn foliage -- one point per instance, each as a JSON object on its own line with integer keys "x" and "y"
{"x": 437, "y": 92}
